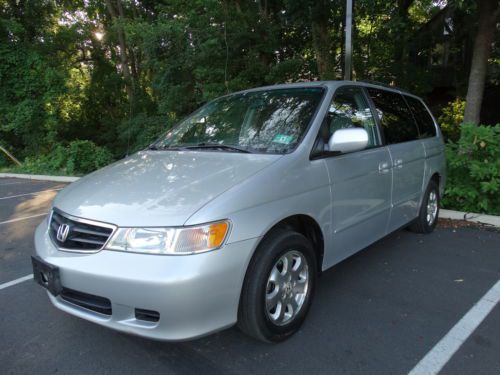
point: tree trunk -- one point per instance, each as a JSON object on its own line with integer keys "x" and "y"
{"x": 322, "y": 43}
{"x": 400, "y": 39}
{"x": 129, "y": 84}
{"x": 488, "y": 13}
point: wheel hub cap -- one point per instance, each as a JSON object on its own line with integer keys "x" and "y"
{"x": 287, "y": 287}
{"x": 432, "y": 207}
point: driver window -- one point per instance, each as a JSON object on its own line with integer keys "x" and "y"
{"x": 350, "y": 109}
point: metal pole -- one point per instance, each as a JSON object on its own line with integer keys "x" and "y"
{"x": 348, "y": 40}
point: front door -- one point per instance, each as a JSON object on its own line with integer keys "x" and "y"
{"x": 360, "y": 181}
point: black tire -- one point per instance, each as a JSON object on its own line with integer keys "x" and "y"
{"x": 253, "y": 316}
{"x": 421, "y": 224}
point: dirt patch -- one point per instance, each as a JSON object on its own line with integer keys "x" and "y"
{"x": 449, "y": 223}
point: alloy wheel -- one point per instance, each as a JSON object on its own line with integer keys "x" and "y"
{"x": 287, "y": 287}
{"x": 432, "y": 207}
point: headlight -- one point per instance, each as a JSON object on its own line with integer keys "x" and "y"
{"x": 173, "y": 241}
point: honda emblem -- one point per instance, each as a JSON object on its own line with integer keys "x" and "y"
{"x": 62, "y": 232}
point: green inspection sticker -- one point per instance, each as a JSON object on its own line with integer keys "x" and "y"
{"x": 283, "y": 139}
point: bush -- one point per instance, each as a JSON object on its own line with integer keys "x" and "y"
{"x": 451, "y": 118}
{"x": 474, "y": 170}
{"x": 77, "y": 158}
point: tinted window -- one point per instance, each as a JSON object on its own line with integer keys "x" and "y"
{"x": 422, "y": 116}
{"x": 350, "y": 109}
{"x": 395, "y": 117}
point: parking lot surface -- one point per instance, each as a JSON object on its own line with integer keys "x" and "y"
{"x": 379, "y": 312}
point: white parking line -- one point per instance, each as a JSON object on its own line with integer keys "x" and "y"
{"x": 441, "y": 353}
{"x": 36, "y": 192}
{"x": 14, "y": 183}
{"x": 21, "y": 218}
{"x": 16, "y": 281}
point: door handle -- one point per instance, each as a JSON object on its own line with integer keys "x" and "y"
{"x": 398, "y": 163}
{"x": 383, "y": 167}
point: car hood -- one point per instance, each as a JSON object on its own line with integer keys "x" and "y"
{"x": 158, "y": 188}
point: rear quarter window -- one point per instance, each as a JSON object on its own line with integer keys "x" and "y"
{"x": 395, "y": 117}
{"x": 423, "y": 118}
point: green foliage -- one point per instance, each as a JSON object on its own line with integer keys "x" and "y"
{"x": 474, "y": 170}
{"x": 142, "y": 130}
{"x": 77, "y": 158}
{"x": 4, "y": 162}
{"x": 451, "y": 118}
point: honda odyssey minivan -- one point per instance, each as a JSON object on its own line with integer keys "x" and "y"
{"x": 230, "y": 216}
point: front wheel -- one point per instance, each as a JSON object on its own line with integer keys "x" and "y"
{"x": 429, "y": 211}
{"x": 278, "y": 287}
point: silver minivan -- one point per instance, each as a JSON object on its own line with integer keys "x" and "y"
{"x": 232, "y": 214}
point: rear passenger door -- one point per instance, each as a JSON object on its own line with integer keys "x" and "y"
{"x": 432, "y": 142}
{"x": 407, "y": 155}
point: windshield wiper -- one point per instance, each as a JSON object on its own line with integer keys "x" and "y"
{"x": 218, "y": 146}
{"x": 157, "y": 148}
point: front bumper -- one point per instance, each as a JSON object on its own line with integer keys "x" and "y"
{"x": 194, "y": 294}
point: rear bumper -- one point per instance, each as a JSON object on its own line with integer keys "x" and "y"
{"x": 194, "y": 294}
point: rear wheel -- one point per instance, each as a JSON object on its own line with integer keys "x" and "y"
{"x": 278, "y": 287}
{"x": 429, "y": 211}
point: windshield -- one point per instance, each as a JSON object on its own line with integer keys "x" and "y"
{"x": 271, "y": 121}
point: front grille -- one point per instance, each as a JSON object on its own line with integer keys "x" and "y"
{"x": 81, "y": 234}
{"x": 88, "y": 301}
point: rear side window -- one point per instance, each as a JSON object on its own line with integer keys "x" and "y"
{"x": 395, "y": 117}
{"x": 424, "y": 120}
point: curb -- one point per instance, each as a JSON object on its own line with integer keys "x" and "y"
{"x": 40, "y": 177}
{"x": 471, "y": 217}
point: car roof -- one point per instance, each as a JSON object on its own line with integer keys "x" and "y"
{"x": 330, "y": 84}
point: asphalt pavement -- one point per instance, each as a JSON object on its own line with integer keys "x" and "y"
{"x": 378, "y": 312}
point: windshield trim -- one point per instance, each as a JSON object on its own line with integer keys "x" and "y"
{"x": 324, "y": 89}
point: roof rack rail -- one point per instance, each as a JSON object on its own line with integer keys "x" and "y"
{"x": 384, "y": 85}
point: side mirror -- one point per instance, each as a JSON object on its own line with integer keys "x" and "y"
{"x": 348, "y": 140}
